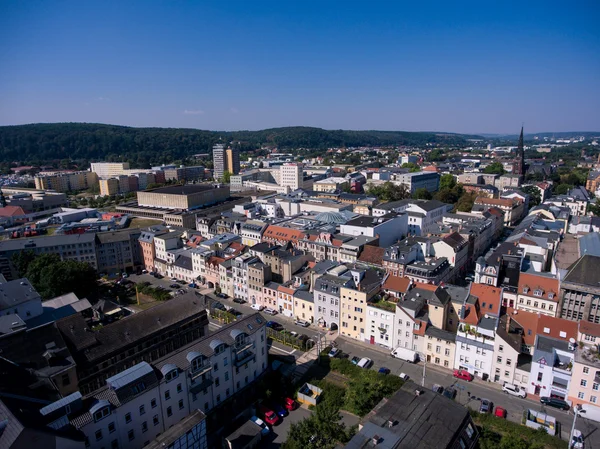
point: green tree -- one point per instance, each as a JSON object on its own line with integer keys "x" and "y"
{"x": 562, "y": 189}
{"x": 535, "y": 195}
{"x": 389, "y": 191}
{"x": 494, "y": 168}
{"x": 21, "y": 261}
{"x": 422, "y": 194}
{"x": 53, "y": 277}
{"x": 226, "y": 177}
{"x": 447, "y": 181}
{"x": 411, "y": 166}
{"x": 465, "y": 202}
{"x": 594, "y": 208}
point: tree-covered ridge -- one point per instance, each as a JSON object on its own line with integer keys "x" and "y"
{"x": 86, "y": 141}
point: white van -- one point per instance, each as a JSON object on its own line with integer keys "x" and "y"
{"x": 365, "y": 362}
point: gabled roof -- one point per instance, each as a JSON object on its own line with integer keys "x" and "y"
{"x": 584, "y": 271}
{"x": 489, "y": 297}
{"x": 281, "y": 233}
{"x": 557, "y": 327}
{"x": 372, "y": 255}
{"x": 528, "y": 321}
{"x": 11, "y": 211}
{"x": 535, "y": 282}
{"x": 397, "y": 284}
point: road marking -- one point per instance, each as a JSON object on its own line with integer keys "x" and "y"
{"x": 281, "y": 350}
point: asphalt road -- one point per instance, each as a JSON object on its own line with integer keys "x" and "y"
{"x": 471, "y": 393}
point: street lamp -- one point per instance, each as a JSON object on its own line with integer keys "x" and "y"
{"x": 576, "y": 411}
{"x": 423, "y": 357}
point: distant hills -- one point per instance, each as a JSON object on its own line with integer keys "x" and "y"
{"x": 44, "y": 142}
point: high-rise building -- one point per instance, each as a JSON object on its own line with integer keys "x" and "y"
{"x": 109, "y": 169}
{"x": 519, "y": 163}
{"x": 233, "y": 160}
{"x": 291, "y": 175}
{"x": 219, "y": 162}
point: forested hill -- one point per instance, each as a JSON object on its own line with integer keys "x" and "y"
{"x": 43, "y": 142}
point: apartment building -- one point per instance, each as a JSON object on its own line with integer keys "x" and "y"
{"x": 118, "y": 251}
{"x": 538, "y": 293}
{"x": 240, "y": 274}
{"x": 184, "y": 197}
{"x": 144, "y": 336}
{"x": 251, "y": 232}
{"x": 66, "y": 181}
{"x": 380, "y": 324}
{"x": 110, "y": 187}
{"x": 304, "y": 306}
{"x": 334, "y": 184}
{"x": 165, "y": 242}
{"x": 78, "y": 247}
{"x": 419, "y": 180}
{"x": 439, "y": 347}
{"x": 327, "y": 294}
{"x": 585, "y": 375}
{"x": 579, "y": 291}
{"x": 389, "y": 228}
{"x": 353, "y": 303}
{"x": 106, "y": 170}
{"x": 233, "y": 160}
{"x": 513, "y": 208}
{"x": 291, "y": 175}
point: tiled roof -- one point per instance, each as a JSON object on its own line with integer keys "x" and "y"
{"x": 528, "y": 321}
{"x": 281, "y": 233}
{"x": 584, "y": 271}
{"x": 397, "y": 284}
{"x": 372, "y": 255}
{"x": 585, "y": 327}
{"x": 533, "y": 282}
{"x": 556, "y": 326}
{"x": 11, "y": 211}
{"x": 501, "y": 202}
{"x": 489, "y": 297}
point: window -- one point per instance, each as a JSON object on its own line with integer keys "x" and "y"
{"x": 586, "y": 370}
{"x": 540, "y": 376}
{"x": 501, "y": 348}
{"x": 499, "y": 360}
{"x": 216, "y": 367}
{"x": 114, "y": 444}
{"x": 167, "y": 395}
{"x": 447, "y": 352}
{"x": 131, "y": 435}
{"x": 446, "y": 363}
{"x": 127, "y": 418}
{"x": 180, "y": 404}
{"x": 581, "y": 395}
{"x": 506, "y": 374}
{"x": 537, "y": 293}
{"x": 595, "y": 386}
{"x": 227, "y": 375}
{"x": 102, "y": 413}
{"x": 153, "y": 403}
{"x": 66, "y": 380}
{"x": 593, "y": 399}
{"x": 155, "y": 420}
{"x": 169, "y": 411}
{"x": 179, "y": 389}
{"x": 508, "y": 362}
{"x": 142, "y": 409}
{"x": 111, "y": 427}
{"x": 217, "y": 382}
{"x": 98, "y": 435}
{"x": 144, "y": 427}
{"x": 173, "y": 374}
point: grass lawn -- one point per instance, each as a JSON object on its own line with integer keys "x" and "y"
{"x": 143, "y": 222}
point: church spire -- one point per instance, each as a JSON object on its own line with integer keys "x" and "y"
{"x": 519, "y": 164}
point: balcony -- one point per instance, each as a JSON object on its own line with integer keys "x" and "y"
{"x": 201, "y": 384}
{"x": 202, "y": 369}
{"x": 243, "y": 346}
{"x": 243, "y": 357}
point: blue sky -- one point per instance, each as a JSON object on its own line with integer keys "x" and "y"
{"x": 476, "y": 67}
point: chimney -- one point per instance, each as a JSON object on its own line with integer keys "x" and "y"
{"x": 508, "y": 323}
{"x": 375, "y": 440}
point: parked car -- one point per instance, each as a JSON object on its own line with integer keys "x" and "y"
{"x": 124, "y": 275}
{"x": 500, "y": 412}
{"x": 302, "y": 323}
{"x": 158, "y": 276}
{"x": 274, "y": 325}
{"x": 174, "y": 279}
{"x": 144, "y": 271}
{"x": 217, "y": 305}
{"x": 437, "y": 388}
{"x": 577, "y": 439}
{"x": 222, "y": 295}
{"x": 281, "y": 411}
{"x": 180, "y": 281}
{"x": 239, "y": 300}
{"x": 270, "y": 311}
{"x": 365, "y": 363}
{"x": 260, "y": 423}
{"x": 463, "y": 374}
{"x": 486, "y": 406}
{"x": 334, "y": 352}
{"x": 554, "y": 402}
{"x": 450, "y": 392}
{"x": 193, "y": 285}
{"x": 294, "y": 334}
{"x": 355, "y": 360}
{"x": 290, "y": 404}
{"x": 384, "y": 370}
{"x": 174, "y": 285}
{"x": 403, "y": 376}
{"x": 513, "y": 390}
{"x": 257, "y": 307}
{"x": 271, "y": 417}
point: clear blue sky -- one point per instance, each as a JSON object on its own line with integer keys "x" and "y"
{"x": 228, "y": 65}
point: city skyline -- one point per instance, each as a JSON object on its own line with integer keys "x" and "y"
{"x": 241, "y": 66}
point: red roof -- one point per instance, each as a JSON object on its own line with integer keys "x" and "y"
{"x": 397, "y": 284}
{"x": 533, "y": 282}
{"x": 557, "y": 327}
{"x": 490, "y": 297}
{"x": 11, "y": 211}
{"x": 528, "y": 321}
{"x": 372, "y": 255}
{"x": 587, "y": 328}
{"x": 281, "y": 233}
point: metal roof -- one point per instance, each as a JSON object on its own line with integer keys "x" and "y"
{"x": 129, "y": 375}
{"x": 60, "y": 403}
{"x": 168, "y": 368}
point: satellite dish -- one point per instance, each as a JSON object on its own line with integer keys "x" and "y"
{"x": 572, "y": 340}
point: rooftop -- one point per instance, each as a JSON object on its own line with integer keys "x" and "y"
{"x": 17, "y": 292}
{"x": 181, "y": 428}
{"x": 584, "y": 271}
{"x": 187, "y": 189}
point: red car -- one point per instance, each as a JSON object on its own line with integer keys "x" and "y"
{"x": 290, "y": 404}
{"x": 271, "y": 417}
{"x": 500, "y": 412}
{"x": 463, "y": 374}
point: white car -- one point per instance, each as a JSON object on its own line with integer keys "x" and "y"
{"x": 403, "y": 376}
{"x": 577, "y": 440}
{"x": 270, "y": 311}
{"x": 514, "y": 390}
{"x": 260, "y": 423}
{"x": 334, "y": 352}
{"x": 257, "y": 307}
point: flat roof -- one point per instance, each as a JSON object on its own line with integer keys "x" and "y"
{"x": 186, "y": 189}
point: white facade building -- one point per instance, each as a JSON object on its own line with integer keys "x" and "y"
{"x": 291, "y": 175}
{"x": 380, "y": 329}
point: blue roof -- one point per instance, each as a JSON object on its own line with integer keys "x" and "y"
{"x": 589, "y": 244}
{"x": 192, "y": 355}
{"x": 129, "y": 375}
{"x": 99, "y": 405}
{"x": 60, "y": 403}
{"x": 215, "y": 343}
{"x": 168, "y": 368}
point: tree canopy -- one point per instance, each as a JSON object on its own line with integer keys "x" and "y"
{"x": 54, "y": 277}
{"x": 494, "y": 168}
{"x": 389, "y": 191}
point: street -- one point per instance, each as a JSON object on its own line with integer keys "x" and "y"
{"x": 469, "y": 393}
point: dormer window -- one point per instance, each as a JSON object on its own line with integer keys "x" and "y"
{"x": 538, "y": 292}
{"x": 196, "y": 364}
{"x": 101, "y": 414}
{"x": 550, "y": 295}
{"x": 525, "y": 290}
{"x": 174, "y": 374}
